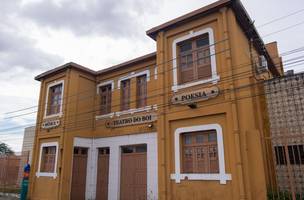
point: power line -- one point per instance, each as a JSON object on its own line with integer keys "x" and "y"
{"x": 166, "y": 104}
{"x": 147, "y": 66}
{"x": 155, "y": 96}
{"x": 210, "y": 104}
{"x": 116, "y": 75}
{"x": 93, "y": 95}
{"x": 284, "y": 29}
{"x": 267, "y": 23}
{"x": 280, "y": 18}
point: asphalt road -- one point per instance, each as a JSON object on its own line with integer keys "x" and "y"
{"x": 8, "y": 197}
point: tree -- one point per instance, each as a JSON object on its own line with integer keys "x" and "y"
{"x": 5, "y": 149}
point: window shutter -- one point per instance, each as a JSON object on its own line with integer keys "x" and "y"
{"x": 48, "y": 159}
{"x": 186, "y": 70}
{"x": 186, "y": 67}
{"x": 141, "y": 91}
{"x": 203, "y": 57}
{"x": 194, "y": 59}
{"x": 125, "y": 95}
{"x": 200, "y": 152}
{"x": 203, "y": 63}
{"x": 55, "y": 99}
{"x": 106, "y": 96}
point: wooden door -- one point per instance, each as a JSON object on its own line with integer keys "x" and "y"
{"x": 79, "y": 173}
{"x": 133, "y": 182}
{"x": 102, "y": 174}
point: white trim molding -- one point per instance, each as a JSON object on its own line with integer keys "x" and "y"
{"x": 214, "y": 79}
{"x": 48, "y": 174}
{"x": 105, "y": 116}
{"x": 110, "y": 82}
{"x": 155, "y": 72}
{"x": 115, "y": 144}
{"x": 47, "y": 98}
{"x": 132, "y": 75}
{"x": 135, "y": 110}
{"x": 221, "y": 176}
{"x": 126, "y": 112}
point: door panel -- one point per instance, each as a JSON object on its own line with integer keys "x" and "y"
{"x": 133, "y": 174}
{"x": 79, "y": 173}
{"x": 102, "y": 174}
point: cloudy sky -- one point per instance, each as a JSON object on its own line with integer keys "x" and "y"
{"x": 37, "y": 35}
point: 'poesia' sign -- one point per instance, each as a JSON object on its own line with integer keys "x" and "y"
{"x": 195, "y": 96}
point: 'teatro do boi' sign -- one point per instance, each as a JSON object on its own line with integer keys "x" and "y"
{"x": 131, "y": 120}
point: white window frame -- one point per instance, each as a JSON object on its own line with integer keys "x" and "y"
{"x": 48, "y": 174}
{"x": 110, "y": 82}
{"x": 133, "y": 75}
{"x": 221, "y": 176}
{"x": 47, "y": 98}
{"x": 214, "y": 78}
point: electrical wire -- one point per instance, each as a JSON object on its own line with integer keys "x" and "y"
{"x": 262, "y": 25}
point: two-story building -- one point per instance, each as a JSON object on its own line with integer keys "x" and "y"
{"x": 184, "y": 122}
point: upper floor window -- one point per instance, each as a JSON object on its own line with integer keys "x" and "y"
{"x": 105, "y": 96}
{"x": 194, "y": 59}
{"x": 54, "y": 99}
{"x": 141, "y": 91}
{"x": 199, "y": 152}
{"x": 125, "y": 94}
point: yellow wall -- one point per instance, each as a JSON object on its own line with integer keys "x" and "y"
{"x": 238, "y": 111}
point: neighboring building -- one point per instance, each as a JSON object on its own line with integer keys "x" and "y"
{"x": 285, "y": 103}
{"x": 181, "y": 123}
{"x": 27, "y": 150}
{"x": 28, "y": 142}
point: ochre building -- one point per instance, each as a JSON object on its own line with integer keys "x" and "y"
{"x": 184, "y": 122}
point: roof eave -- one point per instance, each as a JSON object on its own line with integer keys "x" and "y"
{"x": 206, "y": 10}
{"x": 63, "y": 68}
{"x": 128, "y": 63}
{"x": 92, "y": 72}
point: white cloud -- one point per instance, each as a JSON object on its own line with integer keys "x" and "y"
{"x": 107, "y": 17}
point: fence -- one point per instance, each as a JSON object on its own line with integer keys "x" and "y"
{"x": 285, "y": 105}
{"x": 11, "y": 171}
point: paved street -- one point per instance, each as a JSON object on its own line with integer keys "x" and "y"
{"x": 9, "y": 196}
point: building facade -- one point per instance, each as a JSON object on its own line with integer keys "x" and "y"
{"x": 184, "y": 122}
{"x": 28, "y": 142}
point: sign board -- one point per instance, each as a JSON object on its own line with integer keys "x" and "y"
{"x": 131, "y": 120}
{"x": 50, "y": 124}
{"x": 195, "y": 96}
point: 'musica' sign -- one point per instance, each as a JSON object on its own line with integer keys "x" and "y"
{"x": 131, "y": 120}
{"x": 195, "y": 96}
{"x": 50, "y": 124}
